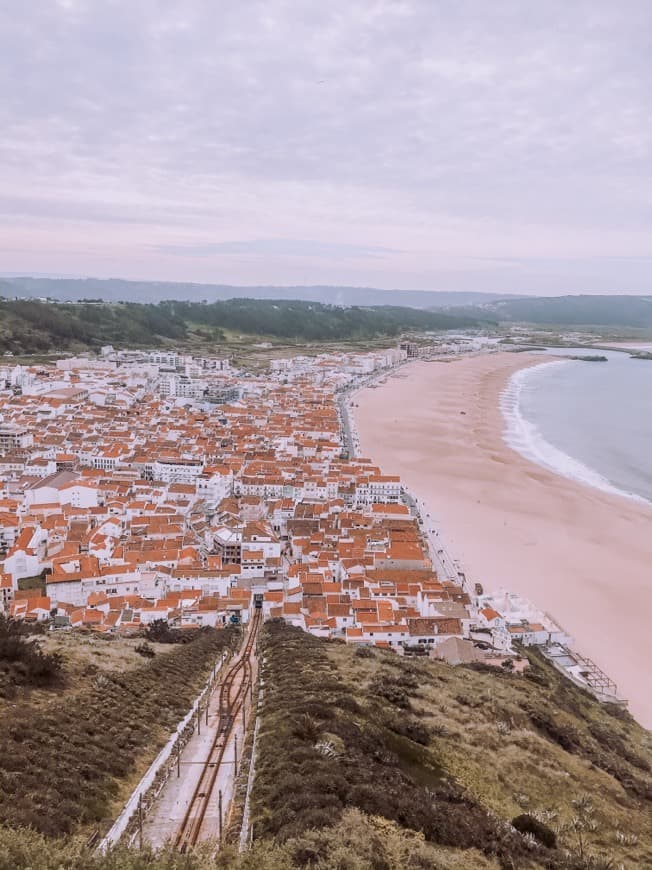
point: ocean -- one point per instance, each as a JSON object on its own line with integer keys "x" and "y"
{"x": 591, "y": 422}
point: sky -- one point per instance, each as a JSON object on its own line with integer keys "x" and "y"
{"x": 503, "y": 146}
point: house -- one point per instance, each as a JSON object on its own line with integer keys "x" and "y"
{"x": 8, "y": 589}
{"x": 33, "y": 607}
{"x": 25, "y": 559}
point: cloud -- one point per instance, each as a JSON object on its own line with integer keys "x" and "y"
{"x": 413, "y": 135}
{"x": 274, "y": 248}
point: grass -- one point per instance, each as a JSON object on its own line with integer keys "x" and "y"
{"x": 499, "y": 737}
{"x": 328, "y": 744}
{"x": 67, "y": 761}
{"x": 84, "y": 655}
{"x": 243, "y": 350}
{"x": 356, "y": 842}
{"x": 364, "y": 763}
{"x": 454, "y": 754}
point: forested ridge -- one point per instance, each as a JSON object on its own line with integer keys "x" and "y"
{"x": 31, "y": 326}
{"x": 570, "y": 311}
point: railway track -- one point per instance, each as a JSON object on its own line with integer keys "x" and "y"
{"x": 232, "y": 697}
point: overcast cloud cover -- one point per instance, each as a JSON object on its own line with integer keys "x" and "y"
{"x": 424, "y": 144}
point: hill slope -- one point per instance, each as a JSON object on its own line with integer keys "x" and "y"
{"x": 368, "y": 761}
{"x": 29, "y": 326}
{"x": 571, "y": 311}
{"x": 453, "y": 753}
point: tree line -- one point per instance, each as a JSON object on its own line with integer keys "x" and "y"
{"x": 32, "y": 326}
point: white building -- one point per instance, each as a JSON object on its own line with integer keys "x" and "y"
{"x": 177, "y": 470}
{"x": 182, "y": 387}
{"x": 167, "y": 358}
{"x": 380, "y": 489}
{"x": 214, "y": 484}
{"x": 14, "y": 438}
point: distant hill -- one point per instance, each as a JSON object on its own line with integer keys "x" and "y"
{"x": 118, "y": 290}
{"x": 465, "y": 307}
{"x": 605, "y": 311}
{"x": 30, "y": 326}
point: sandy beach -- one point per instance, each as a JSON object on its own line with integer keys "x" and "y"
{"x": 582, "y": 555}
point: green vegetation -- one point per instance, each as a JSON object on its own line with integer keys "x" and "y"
{"x": 520, "y": 348}
{"x": 573, "y": 311}
{"x": 29, "y": 326}
{"x": 355, "y": 842}
{"x": 62, "y": 764}
{"x": 369, "y": 761}
{"x": 36, "y": 327}
{"x": 159, "y": 631}
{"x": 453, "y": 754}
{"x": 22, "y": 662}
{"x": 310, "y": 321}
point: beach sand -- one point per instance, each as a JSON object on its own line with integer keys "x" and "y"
{"x": 581, "y": 555}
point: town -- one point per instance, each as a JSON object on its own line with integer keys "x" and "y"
{"x": 143, "y": 486}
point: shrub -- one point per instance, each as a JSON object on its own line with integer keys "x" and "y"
{"x": 146, "y": 650}
{"x": 301, "y": 788}
{"x": 388, "y": 687}
{"x": 618, "y": 712}
{"x": 527, "y": 824}
{"x": 159, "y": 631}
{"x": 611, "y": 740}
{"x": 556, "y": 729}
{"x": 306, "y": 728}
{"x": 472, "y": 701}
{"x": 410, "y": 727}
{"x": 68, "y": 768}
{"x": 537, "y": 677}
{"x": 22, "y": 660}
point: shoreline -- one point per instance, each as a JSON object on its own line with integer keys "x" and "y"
{"x": 526, "y": 440}
{"x": 578, "y": 553}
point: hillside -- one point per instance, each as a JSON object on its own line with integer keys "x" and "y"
{"x": 453, "y": 753}
{"x": 368, "y": 761}
{"x": 90, "y": 312}
{"x": 30, "y": 326}
{"x": 74, "y": 736}
{"x": 570, "y": 311}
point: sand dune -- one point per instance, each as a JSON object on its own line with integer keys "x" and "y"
{"x": 580, "y": 554}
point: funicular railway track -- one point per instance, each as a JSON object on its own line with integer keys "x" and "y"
{"x": 232, "y": 697}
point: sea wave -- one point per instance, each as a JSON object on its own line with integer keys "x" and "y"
{"x": 525, "y": 438}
